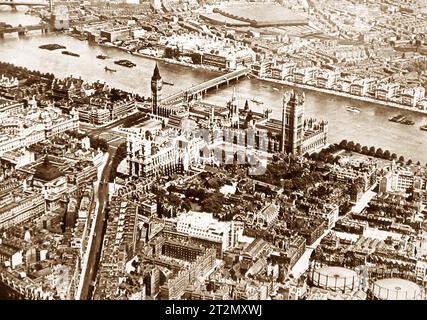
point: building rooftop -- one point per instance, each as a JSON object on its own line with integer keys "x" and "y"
{"x": 47, "y": 171}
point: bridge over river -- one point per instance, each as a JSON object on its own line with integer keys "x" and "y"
{"x": 197, "y": 91}
{"x": 14, "y": 4}
{"x": 23, "y": 30}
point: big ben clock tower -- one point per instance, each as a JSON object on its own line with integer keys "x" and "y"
{"x": 156, "y": 90}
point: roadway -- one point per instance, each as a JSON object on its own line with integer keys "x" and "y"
{"x": 302, "y": 265}
{"x": 94, "y": 130}
{"x": 99, "y": 130}
{"x": 113, "y": 138}
{"x": 91, "y": 268}
{"x": 207, "y": 85}
{"x": 95, "y": 249}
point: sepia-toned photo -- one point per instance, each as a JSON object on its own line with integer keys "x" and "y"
{"x": 213, "y": 150}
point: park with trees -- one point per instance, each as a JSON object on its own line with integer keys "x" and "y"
{"x": 326, "y": 155}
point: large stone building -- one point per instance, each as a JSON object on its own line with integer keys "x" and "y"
{"x": 200, "y": 228}
{"x": 299, "y": 135}
{"x": 66, "y": 88}
{"x": 8, "y": 83}
{"x": 19, "y": 205}
{"x": 60, "y": 18}
{"x": 33, "y": 125}
{"x": 161, "y": 153}
{"x": 293, "y": 135}
{"x": 406, "y": 179}
{"x": 115, "y": 34}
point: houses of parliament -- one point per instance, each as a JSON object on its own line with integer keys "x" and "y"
{"x": 293, "y": 134}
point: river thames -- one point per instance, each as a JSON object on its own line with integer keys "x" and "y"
{"x": 369, "y": 127}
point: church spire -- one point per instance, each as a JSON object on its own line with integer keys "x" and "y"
{"x": 156, "y": 73}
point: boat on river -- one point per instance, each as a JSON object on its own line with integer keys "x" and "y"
{"x": 256, "y": 100}
{"x": 125, "y": 63}
{"x": 69, "y": 53}
{"x": 52, "y": 46}
{"x": 398, "y": 118}
{"x": 402, "y": 120}
{"x": 108, "y": 69}
{"x": 408, "y": 122}
{"x": 353, "y": 109}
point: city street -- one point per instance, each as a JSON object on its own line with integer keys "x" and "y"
{"x": 303, "y": 263}
{"x": 95, "y": 249}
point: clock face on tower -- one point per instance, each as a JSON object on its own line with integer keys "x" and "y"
{"x": 156, "y": 85}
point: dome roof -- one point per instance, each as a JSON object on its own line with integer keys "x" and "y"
{"x": 46, "y": 171}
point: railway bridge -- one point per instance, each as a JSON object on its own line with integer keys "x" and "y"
{"x": 14, "y": 4}
{"x": 23, "y": 30}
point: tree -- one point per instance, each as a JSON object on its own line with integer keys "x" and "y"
{"x": 316, "y": 177}
{"x": 213, "y": 203}
{"x": 103, "y": 145}
{"x": 372, "y": 151}
{"x": 409, "y": 162}
{"x": 343, "y": 144}
{"x": 299, "y": 184}
{"x": 401, "y": 159}
{"x": 315, "y": 156}
{"x": 333, "y": 148}
{"x": 344, "y": 208}
{"x": 393, "y": 156}
{"x": 75, "y": 134}
{"x": 387, "y": 155}
{"x": 214, "y": 183}
{"x": 195, "y": 193}
{"x": 99, "y": 143}
{"x": 158, "y": 191}
{"x": 186, "y": 205}
{"x": 174, "y": 200}
{"x": 330, "y": 159}
{"x": 351, "y": 145}
{"x": 287, "y": 186}
{"x": 322, "y": 155}
{"x": 365, "y": 150}
{"x": 358, "y": 148}
{"x": 379, "y": 153}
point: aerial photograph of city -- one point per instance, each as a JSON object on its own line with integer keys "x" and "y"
{"x": 213, "y": 150}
